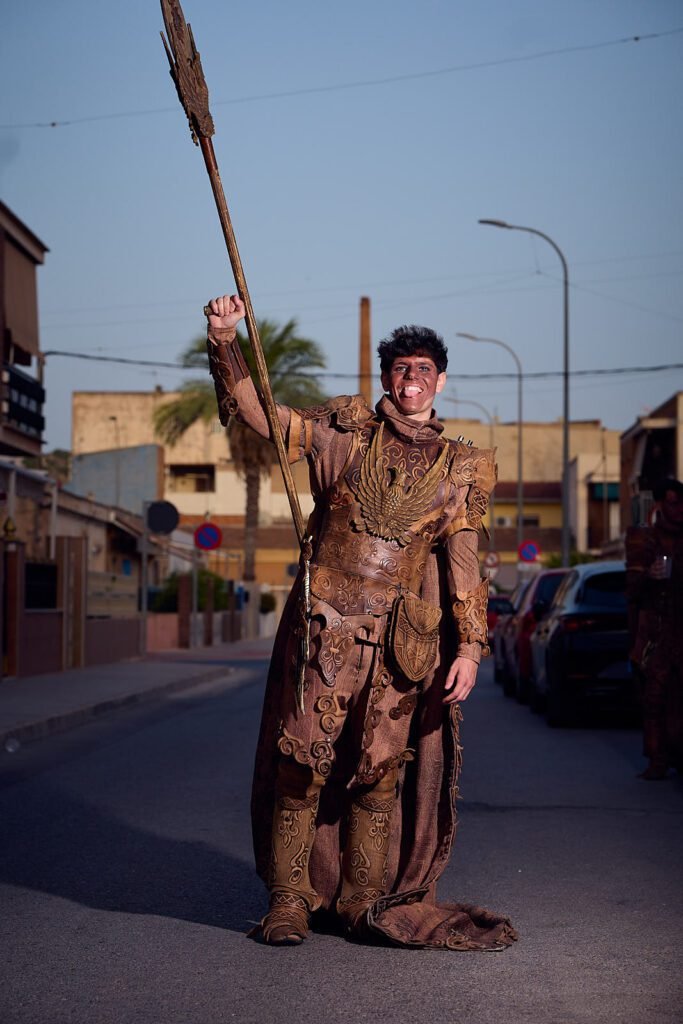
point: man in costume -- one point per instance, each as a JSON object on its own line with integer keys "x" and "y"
{"x": 358, "y": 755}
{"x": 654, "y": 563}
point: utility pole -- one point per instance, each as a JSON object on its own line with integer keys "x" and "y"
{"x": 364, "y": 369}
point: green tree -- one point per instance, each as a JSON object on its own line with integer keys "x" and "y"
{"x": 290, "y": 358}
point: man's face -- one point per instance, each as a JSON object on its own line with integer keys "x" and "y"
{"x": 412, "y": 383}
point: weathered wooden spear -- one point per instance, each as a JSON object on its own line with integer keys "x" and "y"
{"x": 193, "y": 92}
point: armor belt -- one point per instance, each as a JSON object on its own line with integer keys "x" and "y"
{"x": 352, "y": 593}
{"x": 358, "y": 553}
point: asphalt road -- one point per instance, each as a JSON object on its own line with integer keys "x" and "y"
{"x": 127, "y": 885}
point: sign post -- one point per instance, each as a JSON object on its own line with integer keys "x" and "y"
{"x": 157, "y": 517}
{"x": 207, "y": 537}
{"x": 529, "y": 551}
{"x": 491, "y": 564}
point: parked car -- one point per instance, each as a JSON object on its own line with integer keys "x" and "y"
{"x": 580, "y": 649}
{"x": 535, "y": 604}
{"x": 500, "y": 668}
{"x": 499, "y": 604}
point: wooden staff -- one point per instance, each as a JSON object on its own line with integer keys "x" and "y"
{"x": 193, "y": 92}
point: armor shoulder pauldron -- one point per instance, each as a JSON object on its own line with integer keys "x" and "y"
{"x": 351, "y": 412}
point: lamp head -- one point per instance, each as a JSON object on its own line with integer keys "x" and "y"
{"x": 495, "y": 223}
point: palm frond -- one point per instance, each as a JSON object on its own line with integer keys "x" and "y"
{"x": 197, "y": 401}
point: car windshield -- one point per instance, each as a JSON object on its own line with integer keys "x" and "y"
{"x": 566, "y": 585}
{"x": 605, "y": 590}
{"x": 517, "y": 595}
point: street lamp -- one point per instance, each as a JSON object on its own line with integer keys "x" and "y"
{"x": 520, "y": 471}
{"x": 117, "y": 464}
{"x": 492, "y": 503}
{"x": 565, "y": 378}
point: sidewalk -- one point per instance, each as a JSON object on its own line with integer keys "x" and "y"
{"x": 37, "y": 706}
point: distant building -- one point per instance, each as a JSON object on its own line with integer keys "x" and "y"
{"x": 21, "y": 393}
{"x": 123, "y": 478}
{"x": 200, "y": 479}
{"x": 651, "y": 450}
{"x": 593, "y": 486}
{"x": 198, "y": 474}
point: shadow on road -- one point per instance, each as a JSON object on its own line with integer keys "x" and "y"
{"x": 69, "y": 849}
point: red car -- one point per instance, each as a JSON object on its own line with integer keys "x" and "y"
{"x": 534, "y": 605}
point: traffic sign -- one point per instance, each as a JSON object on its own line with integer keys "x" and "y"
{"x": 162, "y": 517}
{"x": 208, "y": 536}
{"x": 529, "y": 551}
{"x": 491, "y": 564}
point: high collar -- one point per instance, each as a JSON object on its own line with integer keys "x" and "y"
{"x": 405, "y": 428}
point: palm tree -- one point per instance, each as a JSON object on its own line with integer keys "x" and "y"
{"x": 290, "y": 359}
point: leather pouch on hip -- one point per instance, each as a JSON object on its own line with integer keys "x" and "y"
{"x": 414, "y": 636}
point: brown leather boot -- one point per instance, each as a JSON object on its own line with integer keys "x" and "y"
{"x": 364, "y": 861}
{"x": 292, "y": 897}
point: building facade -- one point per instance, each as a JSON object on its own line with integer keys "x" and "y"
{"x": 21, "y": 391}
{"x": 650, "y": 450}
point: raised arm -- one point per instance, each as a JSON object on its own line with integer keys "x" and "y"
{"x": 235, "y": 391}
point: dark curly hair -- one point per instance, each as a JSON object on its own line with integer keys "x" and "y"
{"x": 412, "y": 341}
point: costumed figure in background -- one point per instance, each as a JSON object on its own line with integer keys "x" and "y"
{"x": 654, "y": 564}
{"x": 353, "y": 803}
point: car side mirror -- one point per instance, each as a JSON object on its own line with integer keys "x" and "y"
{"x": 539, "y": 609}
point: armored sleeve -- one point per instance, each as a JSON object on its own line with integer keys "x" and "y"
{"x": 469, "y": 592}
{"x": 237, "y": 396}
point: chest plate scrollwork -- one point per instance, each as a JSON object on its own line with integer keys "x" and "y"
{"x": 388, "y": 508}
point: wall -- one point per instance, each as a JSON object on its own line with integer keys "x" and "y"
{"x": 123, "y": 478}
{"x": 108, "y": 640}
{"x": 41, "y": 646}
{"x": 162, "y": 631}
{"x": 541, "y": 444}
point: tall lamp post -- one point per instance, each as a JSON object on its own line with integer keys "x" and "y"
{"x": 565, "y": 377}
{"x": 520, "y": 470}
{"x": 492, "y": 504}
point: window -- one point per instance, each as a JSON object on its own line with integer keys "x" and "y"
{"x": 564, "y": 588}
{"x": 547, "y": 586}
{"x": 192, "y": 479}
{"x": 605, "y": 590}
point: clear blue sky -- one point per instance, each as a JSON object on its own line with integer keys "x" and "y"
{"x": 368, "y": 190}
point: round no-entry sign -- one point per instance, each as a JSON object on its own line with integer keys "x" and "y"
{"x": 528, "y": 551}
{"x": 208, "y": 536}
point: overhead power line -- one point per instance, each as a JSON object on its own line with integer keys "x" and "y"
{"x": 536, "y": 375}
{"x": 363, "y": 83}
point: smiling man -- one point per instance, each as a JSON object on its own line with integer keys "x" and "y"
{"x": 354, "y": 792}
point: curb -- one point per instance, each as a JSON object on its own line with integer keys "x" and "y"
{"x": 42, "y": 728}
